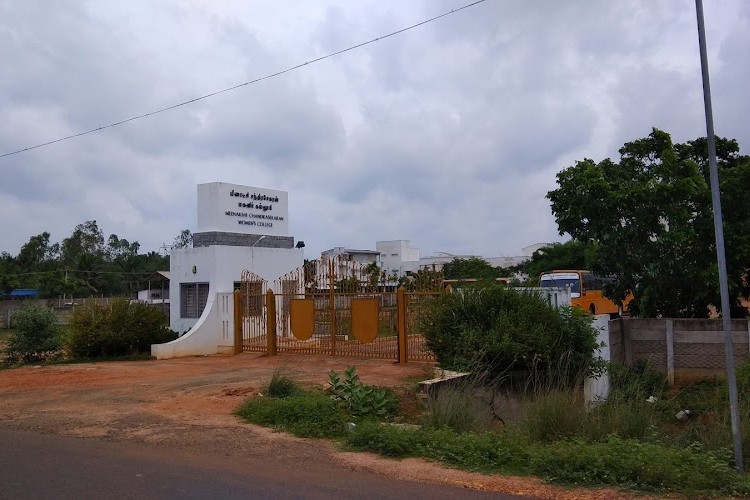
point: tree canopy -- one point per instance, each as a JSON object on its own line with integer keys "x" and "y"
{"x": 473, "y": 268}
{"x": 572, "y": 254}
{"x": 83, "y": 264}
{"x": 650, "y": 217}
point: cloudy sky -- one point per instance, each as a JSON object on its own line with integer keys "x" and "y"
{"x": 449, "y": 135}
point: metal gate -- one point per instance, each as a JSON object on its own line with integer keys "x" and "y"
{"x": 335, "y": 307}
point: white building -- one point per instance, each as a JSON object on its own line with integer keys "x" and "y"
{"x": 239, "y": 227}
{"x": 364, "y": 257}
{"x": 397, "y": 257}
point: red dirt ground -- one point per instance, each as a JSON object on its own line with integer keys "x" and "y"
{"x": 188, "y": 403}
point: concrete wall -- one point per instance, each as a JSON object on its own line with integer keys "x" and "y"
{"x": 683, "y": 349}
{"x": 212, "y": 334}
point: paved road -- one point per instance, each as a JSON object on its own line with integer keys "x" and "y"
{"x": 47, "y": 466}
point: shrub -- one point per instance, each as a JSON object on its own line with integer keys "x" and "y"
{"x": 36, "y": 335}
{"x": 311, "y": 414}
{"x": 117, "y": 329}
{"x": 492, "y": 329}
{"x": 361, "y": 400}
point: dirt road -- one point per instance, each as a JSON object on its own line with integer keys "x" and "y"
{"x": 188, "y": 403}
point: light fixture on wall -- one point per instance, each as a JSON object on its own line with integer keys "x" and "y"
{"x": 300, "y": 244}
{"x": 195, "y": 269}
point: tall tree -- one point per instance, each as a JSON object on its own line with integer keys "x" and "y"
{"x": 650, "y": 217}
{"x": 572, "y": 254}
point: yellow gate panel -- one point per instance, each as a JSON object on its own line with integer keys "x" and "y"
{"x": 302, "y": 318}
{"x": 365, "y": 316}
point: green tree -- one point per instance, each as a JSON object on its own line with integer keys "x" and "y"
{"x": 650, "y": 217}
{"x": 9, "y": 277}
{"x": 572, "y": 254}
{"x": 473, "y": 268}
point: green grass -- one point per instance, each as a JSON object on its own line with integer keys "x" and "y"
{"x": 625, "y": 463}
{"x": 310, "y": 414}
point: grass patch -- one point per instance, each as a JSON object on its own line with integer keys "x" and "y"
{"x": 639, "y": 465}
{"x": 309, "y": 414}
{"x": 487, "y": 452}
{"x": 626, "y": 463}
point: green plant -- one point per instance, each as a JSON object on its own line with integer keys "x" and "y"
{"x": 311, "y": 414}
{"x": 282, "y": 385}
{"x": 360, "y": 400}
{"x": 120, "y": 328}
{"x": 36, "y": 336}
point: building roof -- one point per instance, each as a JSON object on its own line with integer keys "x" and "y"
{"x": 24, "y": 292}
{"x": 159, "y": 276}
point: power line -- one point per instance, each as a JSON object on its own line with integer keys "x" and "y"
{"x": 250, "y": 82}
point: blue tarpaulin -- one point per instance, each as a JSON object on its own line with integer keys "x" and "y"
{"x": 22, "y": 293}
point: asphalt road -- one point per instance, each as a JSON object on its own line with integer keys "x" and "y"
{"x": 49, "y": 466}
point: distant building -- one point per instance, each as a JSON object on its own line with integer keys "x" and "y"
{"x": 157, "y": 291}
{"x": 360, "y": 256}
{"x": 399, "y": 258}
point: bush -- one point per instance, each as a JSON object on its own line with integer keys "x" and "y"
{"x": 117, "y": 329}
{"x": 311, "y": 414}
{"x": 36, "y": 335}
{"x": 492, "y": 329}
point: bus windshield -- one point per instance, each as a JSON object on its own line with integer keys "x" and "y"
{"x": 562, "y": 280}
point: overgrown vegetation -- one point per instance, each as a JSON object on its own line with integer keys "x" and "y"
{"x": 120, "y": 328}
{"x": 493, "y": 330}
{"x": 633, "y": 440}
{"x": 36, "y": 336}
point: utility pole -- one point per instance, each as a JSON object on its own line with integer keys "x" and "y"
{"x": 720, "y": 254}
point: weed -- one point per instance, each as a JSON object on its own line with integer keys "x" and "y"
{"x": 360, "y": 400}
{"x": 462, "y": 408}
{"x": 282, "y": 384}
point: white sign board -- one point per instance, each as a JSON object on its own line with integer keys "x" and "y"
{"x": 231, "y": 208}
